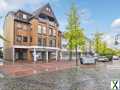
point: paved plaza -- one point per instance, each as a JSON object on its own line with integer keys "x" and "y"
{"x": 58, "y": 76}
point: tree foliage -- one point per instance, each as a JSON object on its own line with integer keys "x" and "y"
{"x": 74, "y": 33}
{"x": 102, "y": 49}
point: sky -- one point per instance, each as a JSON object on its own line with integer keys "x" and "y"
{"x": 95, "y": 15}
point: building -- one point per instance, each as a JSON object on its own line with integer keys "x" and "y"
{"x": 32, "y": 36}
{"x": 88, "y": 48}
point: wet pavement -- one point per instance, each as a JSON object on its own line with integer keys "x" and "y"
{"x": 26, "y": 69}
{"x": 88, "y": 77}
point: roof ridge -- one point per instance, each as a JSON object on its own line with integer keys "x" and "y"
{"x": 40, "y": 8}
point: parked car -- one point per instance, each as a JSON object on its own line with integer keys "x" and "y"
{"x": 102, "y": 59}
{"x": 115, "y": 58}
{"x": 87, "y": 60}
{"x": 1, "y": 61}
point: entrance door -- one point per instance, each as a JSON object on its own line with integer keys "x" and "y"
{"x": 21, "y": 54}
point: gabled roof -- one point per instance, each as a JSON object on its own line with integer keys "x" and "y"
{"x": 42, "y": 10}
{"x": 24, "y": 12}
{"x": 37, "y": 13}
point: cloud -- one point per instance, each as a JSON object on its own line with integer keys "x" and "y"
{"x": 116, "y": 23}
{"x": 3, "y": 5}
{"x": 109, "y": 37}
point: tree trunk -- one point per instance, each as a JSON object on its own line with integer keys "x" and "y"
{"x": 76, "y": 57}
{"x": 70, "y": 55}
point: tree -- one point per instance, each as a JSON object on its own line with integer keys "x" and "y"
{"x": 101, "y": 47}
{"x": 74, "y": 33}
{"x": 97, "y": 42}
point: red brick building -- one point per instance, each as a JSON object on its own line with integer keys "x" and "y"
{"x": 32, "y": 36}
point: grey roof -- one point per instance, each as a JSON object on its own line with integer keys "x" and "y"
{"x": 35, "y": 14}
{"x": 41, "y": 10}
{"x": 24, "y": 12}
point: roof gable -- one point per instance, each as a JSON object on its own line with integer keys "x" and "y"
{"x": 45, "y": 10}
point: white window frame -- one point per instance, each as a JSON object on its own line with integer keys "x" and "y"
{"x": 24, "y": 16}
{"x": 44, "y": 29}
{"x": 40, "y": 29}
{"x": 50, "y": 31}
{"x": 19, "y": 38}
{"x": 48, "y": 9}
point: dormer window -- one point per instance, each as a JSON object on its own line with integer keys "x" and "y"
{"x": 24, "y": 16}
{"x": 48, "y": 9}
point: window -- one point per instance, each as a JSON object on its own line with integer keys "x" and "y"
{"x": 52, "y": 43}
{"x": 54, "y": 32}
{"x": 25, "y": 39}
{"x": 19, "y": 25}
{"x": 50, "y": 31}
{"x": 48, "y": 9}
{"x": 39, "y": 29}
{"x": 18, "y": 38}
{"x": 44, "y": 30}
{"x": 24, "y": 16}
{"x": 40, "y": 41}
{"x": 44, "y": 42}
{"x": 30, "y": 39}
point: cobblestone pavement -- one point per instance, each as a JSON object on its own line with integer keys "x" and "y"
{"x": 88, "y": 77}
{"x": 26, "y": 69}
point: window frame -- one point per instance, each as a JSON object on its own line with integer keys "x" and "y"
{"x": 19, "y": 37}
{"x": 44, "y": 30}
{"x": 39, "y": 29}
{"x": 24, "y": 16}
{"x": 25, "y": 39}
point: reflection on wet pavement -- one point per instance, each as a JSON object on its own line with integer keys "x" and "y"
{"x": 80, "y": 78}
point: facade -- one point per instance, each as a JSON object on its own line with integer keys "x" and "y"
{"x": 88, "y": 48}
{"x": 33, "y": 36}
